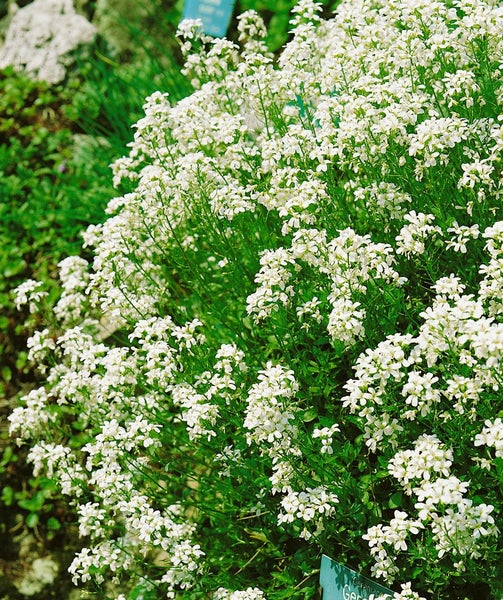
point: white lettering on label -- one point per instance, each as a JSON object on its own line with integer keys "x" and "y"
{"x": 347, "y": 594}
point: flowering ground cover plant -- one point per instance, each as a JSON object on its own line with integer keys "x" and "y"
{"x": 289, "y": 339}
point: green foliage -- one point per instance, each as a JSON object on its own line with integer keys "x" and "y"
{"x": 34, "y": 499}
{"x": 109, "y": 94}
{"x": 49, "y": 192}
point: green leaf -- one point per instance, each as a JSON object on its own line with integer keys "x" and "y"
{"x": 8, "y": 456}
{"x": 32, "y": 520}
{"x": 21, "y": 360}
{"x": 257, "y": 535}
{"x": 53, "y": 524}
{"x": 33, "y": 504}
{"x": 395, "y": 500}
{"x": 6, "y": 373}
{"x": 15, "y": 268}
{"x": 309, "y": 415}
{"x": 8, "y": 495}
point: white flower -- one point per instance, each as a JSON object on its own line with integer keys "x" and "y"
{"x": 325, "y": 435}
{"x": 307, "y": 505}
{"x": 450, "y": 286}
{"x": 462, "y": 234}
{"x": 251, "y": 593}
{"x": 270, "y": 415}
{"x": 428, "y": 458}
{"x": 29, "y": 292}
{"x": 491, "y": 436}
{"x": 413, "y": 237}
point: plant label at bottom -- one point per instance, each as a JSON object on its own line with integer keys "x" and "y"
{"x": 341, "y": 583}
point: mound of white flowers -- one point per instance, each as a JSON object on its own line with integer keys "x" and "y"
{"x": 289, "y": 340}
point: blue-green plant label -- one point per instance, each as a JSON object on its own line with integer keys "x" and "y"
{"x": 214, "y": 14}
{"x": 341, "y": 583}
